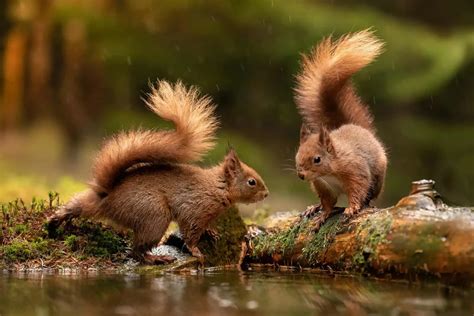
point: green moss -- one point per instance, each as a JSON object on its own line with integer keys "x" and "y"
{"x": 22, "y": 250}
{"x": 24, "y": 237}
{"x": 323, "y": 238}
{"x": 20, "y": 228}
{"x": 281, "y": 242}
{"x": 225, "y": 250}
{"x": 16, "y": 251}
{"x": 72, "y": 242}
{"x": 93, "y": 239}
{"x": 370, "y": 233}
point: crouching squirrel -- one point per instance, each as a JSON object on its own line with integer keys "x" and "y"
{"x": 338, "y": 152}
{"x": 144, "y": 179}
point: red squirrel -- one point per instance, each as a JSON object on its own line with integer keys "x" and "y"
{"x": 143, "y": 180}
{"x": 338, "y": 152}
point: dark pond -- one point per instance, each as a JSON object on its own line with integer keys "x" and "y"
{"x": 225, "y": 293}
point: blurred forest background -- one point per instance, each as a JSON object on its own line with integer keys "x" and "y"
{"x": 73, "y": 72}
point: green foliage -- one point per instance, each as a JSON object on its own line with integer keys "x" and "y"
{"x": 423, "y": 148}
{"x": 20, "y": 228}
{"x": 21, "y": 250}
{"x": 72, "y": 242}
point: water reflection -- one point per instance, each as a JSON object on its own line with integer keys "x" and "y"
{"x": 229, "y": 293}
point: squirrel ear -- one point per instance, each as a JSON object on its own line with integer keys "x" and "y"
{"x": 232, "y": 165}
{"x": 304, "y": 132}
{"x": 325, "y": 139}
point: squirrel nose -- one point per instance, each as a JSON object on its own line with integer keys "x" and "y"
{"x": 301, "y": 175}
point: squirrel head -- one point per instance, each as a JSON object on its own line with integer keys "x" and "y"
{"x": 315, "y": 155}
{"x": 244, "y": 184}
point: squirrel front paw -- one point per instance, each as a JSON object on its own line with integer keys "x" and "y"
{"x": 349, "y": 213}
{"x": 311, "y": 211}
{"x": 318, "y": 221}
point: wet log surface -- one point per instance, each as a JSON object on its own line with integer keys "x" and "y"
{"x": 413, "y": 240}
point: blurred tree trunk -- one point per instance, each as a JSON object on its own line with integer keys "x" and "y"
{"x": 13, "y": 78}
{"x": 73, "y": 116}
{"x": 40, "y": 60}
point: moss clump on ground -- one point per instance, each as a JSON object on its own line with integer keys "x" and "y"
{"x": 80, "y": 243}
{"x": 227, "y": 248}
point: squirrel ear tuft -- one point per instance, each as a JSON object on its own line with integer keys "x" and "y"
{"x": 305, "y": 131}
{"x": 232, "y": 165}
{"x": 325, "y": 139}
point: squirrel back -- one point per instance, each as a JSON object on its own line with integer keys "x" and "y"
{"x": 195, "y": 122}
{"x": 324, "y": 93}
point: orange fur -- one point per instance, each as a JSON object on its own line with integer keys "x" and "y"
{"x": 143, "y": 179}
{"x": 339, "y": 152}
{"x": 194, "y": 136}
{"x": 324, "y": 93}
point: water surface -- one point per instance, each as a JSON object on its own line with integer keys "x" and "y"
{"x": 225, "y": 293}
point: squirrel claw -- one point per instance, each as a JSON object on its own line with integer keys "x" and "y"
{"x": 311, "y": 211}
{"x": 349, "y": 211}
{"x": 317, "y": 223}
{"x": 213, "y": 234}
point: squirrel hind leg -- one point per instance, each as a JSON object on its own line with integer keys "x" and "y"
{"x": 376, "y": 188}
{"x": 148, "y": 234}
{"x": 192, "y": 234}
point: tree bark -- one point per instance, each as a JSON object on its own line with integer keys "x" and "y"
{"x": 13, "y": 78}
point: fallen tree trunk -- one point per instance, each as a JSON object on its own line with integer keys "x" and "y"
{"x": 420, "y": 237}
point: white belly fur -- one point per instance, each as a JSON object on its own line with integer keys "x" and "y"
{"x": 333, "y": 184}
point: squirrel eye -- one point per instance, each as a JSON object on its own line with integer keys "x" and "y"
{"x": 251, "y": 182}
{"x": 317, "y": 160}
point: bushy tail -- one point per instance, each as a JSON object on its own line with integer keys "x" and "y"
{"x": 324, "y": 93}
{"x": 193, "y": 116}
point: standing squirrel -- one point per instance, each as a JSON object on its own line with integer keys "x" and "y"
{"x": 143, "y": 180}
{"x": 339, "y": 152}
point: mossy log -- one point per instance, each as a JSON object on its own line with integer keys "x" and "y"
{"x": 420, "y": 237}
